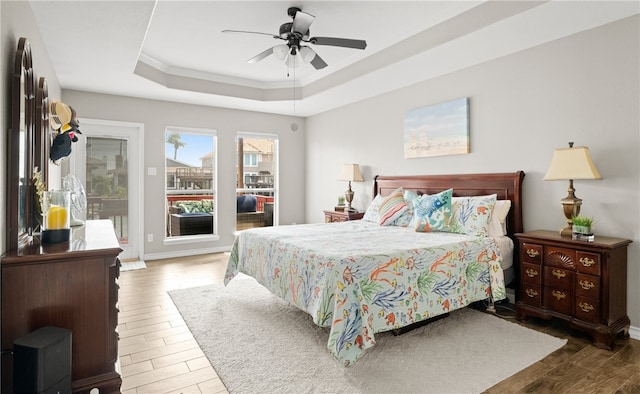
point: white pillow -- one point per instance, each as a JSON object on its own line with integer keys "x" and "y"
{"x": 371, "y": 214}
{"x": 498, "y": 220}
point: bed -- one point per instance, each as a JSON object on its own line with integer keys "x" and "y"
{"x": 359, "y": 278}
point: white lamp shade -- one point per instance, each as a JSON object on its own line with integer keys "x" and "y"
{"x": 281, "y": 51}
{"x": 307, "y": 54}
{"x": 351, "y": 172}
{"x": 571, "y": 163}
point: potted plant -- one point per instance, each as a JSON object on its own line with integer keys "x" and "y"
{"x": 340, "y": 206}
{"x": 582, "y": 225}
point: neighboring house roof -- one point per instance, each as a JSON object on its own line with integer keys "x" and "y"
{"x": 176, "y": 163}
{"x": 207, "y": 156}
{"x": 257, "y": 145}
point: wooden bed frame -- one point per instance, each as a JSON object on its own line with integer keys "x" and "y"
{"x": 508, "y": 186}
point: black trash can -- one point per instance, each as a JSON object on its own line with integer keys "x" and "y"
{"x": 42, "y": 361}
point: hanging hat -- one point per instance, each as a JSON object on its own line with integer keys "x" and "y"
{"x": 61, "y": 147}
{"x": 73, "y": 124}
{"x": 59, "y": 114}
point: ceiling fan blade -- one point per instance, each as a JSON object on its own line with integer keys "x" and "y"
{"x": 251, "y": 32}
{"x": 260, "y": 56}
{"x": 339, "y": 42}
{"x": 318, "y": 63}
{"x": 301, "y": 22}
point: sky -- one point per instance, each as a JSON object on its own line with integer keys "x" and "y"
{"x": 197, "y": 145}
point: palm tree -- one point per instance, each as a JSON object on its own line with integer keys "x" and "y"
{"x": 174, "y": 139}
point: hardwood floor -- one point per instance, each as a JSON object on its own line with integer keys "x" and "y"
{"x": 158, "y": 354}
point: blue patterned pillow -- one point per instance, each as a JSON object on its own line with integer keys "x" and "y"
{"x": 432, "y": 211}
{"x": 470, "y": 215}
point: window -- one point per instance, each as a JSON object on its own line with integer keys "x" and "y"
{"x": 256, "y": 174}
{"x": 190, "y": 173}
{"x": 250, "y": 160}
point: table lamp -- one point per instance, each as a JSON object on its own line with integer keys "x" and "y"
{"x": 350, "y": 172}
{"x": 569, "y": 164}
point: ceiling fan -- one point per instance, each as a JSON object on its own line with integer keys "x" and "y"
{"x": 295, "y": 34}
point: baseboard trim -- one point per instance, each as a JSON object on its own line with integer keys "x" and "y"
{"x": 185, "y": 253}
{"x": 634, "y": 332}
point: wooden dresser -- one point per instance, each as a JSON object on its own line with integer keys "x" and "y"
{"x": 336, "y": 216}
{"x": 581, "y": 282}
{"x": 71, "y": 285}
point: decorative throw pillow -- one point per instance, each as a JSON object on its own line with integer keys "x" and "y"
{"x": 407, "y": 216}
{"x": 432, "y": 211}
{"x": 497, "y": 223}
{"x": 470, "y": 215}
{"x": 371, "y": 214}
{"x": 392, "y": 207}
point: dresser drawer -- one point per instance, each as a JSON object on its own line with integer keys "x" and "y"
{"x": 588, "y": 263}
{"x": 559, "y": 278}
{"x": 531, "y": 294}
{"x": 531, "y": 273}
{"x": 559, "y": 257}
{"x": 531, "y": 253}
{"x": 558, "y": 300}
{"x": 334, "y": 219}
{"x": 587, "y": 285}
{"x": 587, "y": 309}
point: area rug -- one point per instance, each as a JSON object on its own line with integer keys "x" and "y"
{"x": 258, "y": 343}
{"x": 132, "y": 265}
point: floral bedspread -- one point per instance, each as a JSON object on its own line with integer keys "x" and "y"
{"x": 359, "y": 278}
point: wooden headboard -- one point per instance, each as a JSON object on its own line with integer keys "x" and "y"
{"x": 508, "y": 186}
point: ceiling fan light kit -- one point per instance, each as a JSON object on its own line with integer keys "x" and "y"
{"x": 295, "y": 33}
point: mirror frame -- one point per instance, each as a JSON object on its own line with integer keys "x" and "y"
{"x": 41, "y": 146}
{"x": 20, "y": 155}
{"x": 42, "y": 139}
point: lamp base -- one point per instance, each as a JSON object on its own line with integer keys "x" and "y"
{"x": 566, "y": 232}
{"x": 348, "y": 197}
{"x": 55, "y": 236}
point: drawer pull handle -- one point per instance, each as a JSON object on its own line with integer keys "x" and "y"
{"x": 587, "y": 285}
{"x": 559, "y": 274}
{"x": 531, "y": 293}
{"x": 532, "y": 253}
{"x": 587, "y": 262}
{"x": 586, "y": 307}
{"x": 531, "y": 273}
{"x": 558, "y": 294}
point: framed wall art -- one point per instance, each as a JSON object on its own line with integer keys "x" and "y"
{"x": 437, "y": 130}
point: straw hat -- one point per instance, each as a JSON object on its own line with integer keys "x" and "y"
{"x": 59, "y": 114}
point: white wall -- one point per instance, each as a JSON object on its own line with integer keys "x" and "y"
{"x": 157, "y": 115}
{"x": 16, "y": 20}
{"x": 583, "y": 88}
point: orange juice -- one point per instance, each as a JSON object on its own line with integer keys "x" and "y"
{"x": 57, "y": 217}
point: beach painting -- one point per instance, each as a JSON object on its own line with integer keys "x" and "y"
{"x": 437, "y": 130}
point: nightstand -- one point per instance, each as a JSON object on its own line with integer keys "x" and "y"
{"x": 583, "y": 283}
{"x": 334, "y": 216}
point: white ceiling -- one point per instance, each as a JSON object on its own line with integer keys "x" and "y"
{"x": 176, "y": 51}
